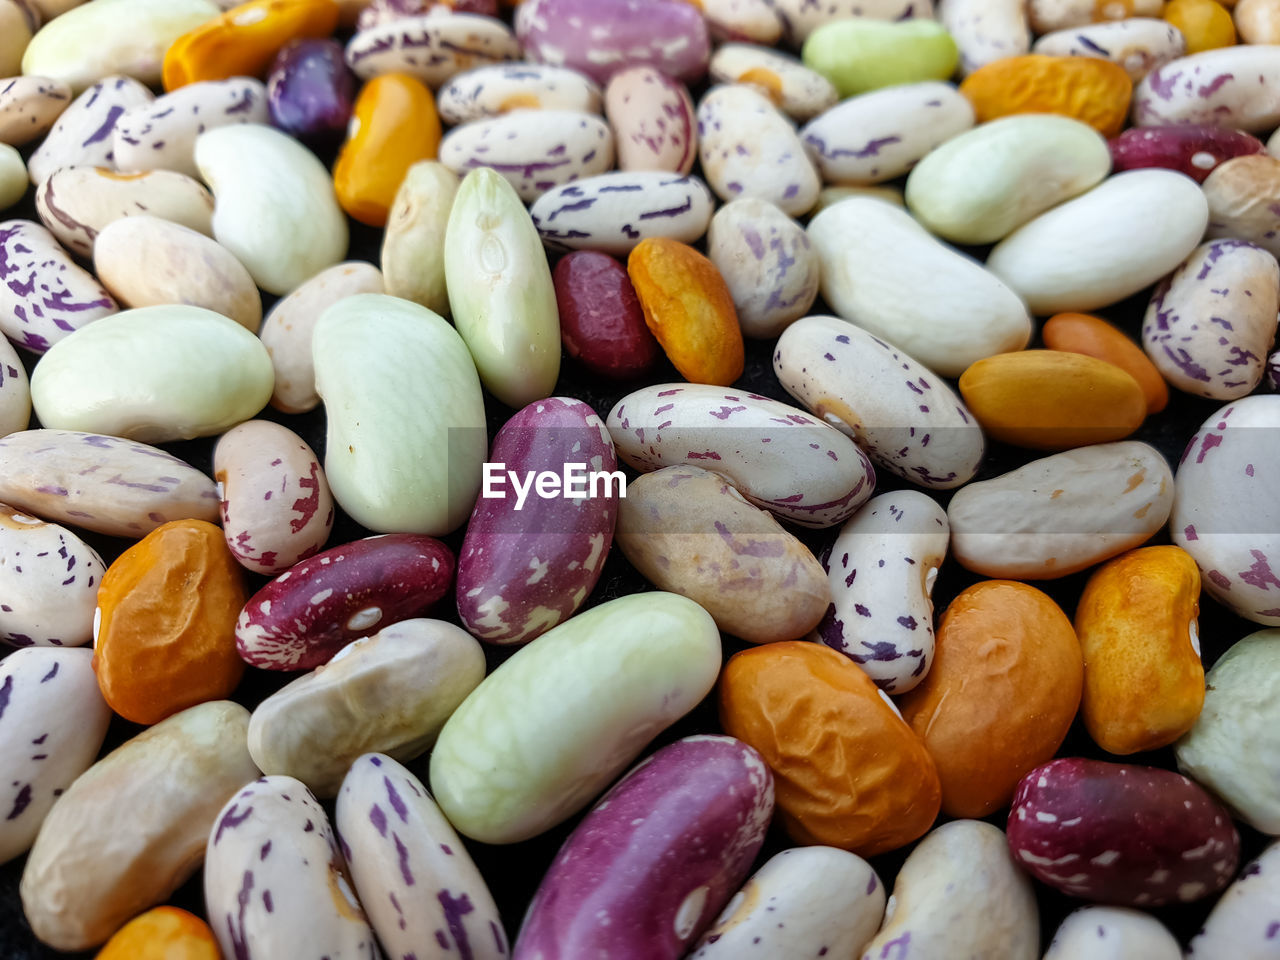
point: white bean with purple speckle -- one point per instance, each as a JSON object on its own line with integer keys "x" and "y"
{"x": 48, "y": 583}
{"x": 1232, "y": 87}
{"x": 880, "y": 135}
{"x": 908, "y": 420}
{"x": 419, "y": 885}
{"x": 652, "y": 119}
{"x": 433, "y": 47}
{"x": 1113, "y": 933}
{"x": 84, "y": 133}
{"x": 986, "y": 30}
{"x": 29, "y": 106}
{"x": 1243, "y": 923}
{"x": 802, "y": 17}
{"x": 52, "y": 723}
{"x": 753, "y": 20}
{"x": 796, "y": 90}
{"x": 495, "y": 89}
{"x": 1139, "y": 44}
{"x": 15, "y": 391}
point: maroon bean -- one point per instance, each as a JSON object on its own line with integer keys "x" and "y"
{"x": 601, "y": 323}
{"x": 1188, "y": 148}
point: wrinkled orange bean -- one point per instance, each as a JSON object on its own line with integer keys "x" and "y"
{"x": 1094, "y": 337}
{"x": 243, "y": 41}
{"x": 1052, "y": 400}
{"x": 167, "y": 616}
{"x": 688, "y": 307}
{"x": 848, "y": 772}
{"x": 164, "y": 933}
{"x": 1001, "y": 694}
{"x": 1090, "y": 90}
{"x": 394, "y": 125}
{"x": 1143, "y": 679}
{"x": 1205, "y": 24}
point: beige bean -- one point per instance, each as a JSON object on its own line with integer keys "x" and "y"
{"x": 29, "y": 106}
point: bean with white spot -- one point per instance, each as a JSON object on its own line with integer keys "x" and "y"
{"x": 48, "y": 583}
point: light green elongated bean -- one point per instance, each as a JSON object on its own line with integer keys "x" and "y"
{"x": 861, "y": 55}
{"x": 406, "y": 433}
{"x": 550, "y": 728}
{"x": 500, "y": 290}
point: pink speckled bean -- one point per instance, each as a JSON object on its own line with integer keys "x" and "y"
{"x": 84, "y": 133}
{"x": 432, "y": 47}
{"x": 1234, "y": 87}
{"x": 652, "y": 119}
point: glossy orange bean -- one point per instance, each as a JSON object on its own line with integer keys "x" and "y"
{"x": 167, "y": 614}
{"x": 1000, "y": 696}
{"x": 1090, "y": 90}
{"x": 1143, "y": 679}
{"x": 688, "y": 307}
{"x": 163, "y": 933}
{"x": 1205, "y": 24}
{"x": 847, "y": 771}
{"x": 1094, "y": 337}
{"x": 243, "y": 41}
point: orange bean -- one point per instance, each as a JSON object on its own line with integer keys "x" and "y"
{"x": 1094, "y": 337}
{"x": 167, "y": 615}
{"x": 163, "y": 933}
{"x": 847, "y": 771}
{"x": 1206, "y": 25}
{"x": 1090, "y": 90}
{"x": 1000, "y": 696}
{"x": 689, "y": 309}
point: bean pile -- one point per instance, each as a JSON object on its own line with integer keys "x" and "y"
{"x": 502, "y": 459}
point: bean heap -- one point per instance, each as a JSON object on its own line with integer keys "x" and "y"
{"x": 343, "y": 339}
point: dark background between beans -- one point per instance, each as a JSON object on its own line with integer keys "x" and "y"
{"x": 513, "y": 871}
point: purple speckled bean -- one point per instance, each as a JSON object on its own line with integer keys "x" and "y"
{"x": 796, "y": 90}
{"x": 84, "y": 133}
{"x": 303, "y": 617}
{"x": 881, "y": 571}
{"x": 1139, "y": 44}
{"x": 1243, "y": 924}
{"x": 749, "y": 149}
{"x": 534, "y": 150}
{"x": 310, "y": 91}
{"x": 742, "y": 21}
{"x": 801, "y": 17}
{"x": 162, "y": 135}
{"x": 651, "y": 865}
{"x": 433, "y": 47}
{"x": 653, "y": 120}
{"x": 601, "y": 37}
{"x": 44, "y": 295}
{"x": 1212, "y": 321}
{"x": 522, "y": 571}
{"x": 1121, "y": 833}
{"x": 779, "y": 457}
{"x": 613, "y": 212}
{"x": 275, "y": 883}
{"x": 48, "y": 583}
{"x": 29, "y": 106}
{"x": 118, "y": 487}
{"x": 52, "y": 723}
{"x": 415, "y": 877}
{"x": 276, "y": 506}
{"x": 1226, "y": 513}
{"x": 1235, "y": 87}
{"x": 493, "y": 90}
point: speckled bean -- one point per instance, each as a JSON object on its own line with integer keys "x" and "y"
{"x": 1139, "y": 44}
{"x": 132, "y": 828}
{"x": 286, "y": 331}
{"x": 812, "y": 474}
{"x": 276, "y": 506}
{"x": 690, "y": 531}
{"x": 767, "y": 263}
{"x": 752, "y": 21}
{"x": 416, "y": 879}
{"x": 908, "y": 421}
{"x": 1242, "y": 922}
{"x": 534, "y": 150}
{"x": 1216, "y": 87}
{"x": 941, "y": 307}
{"x": 792, "y": 87}
{"x": 1050, "y": 15}
{"x": 162, "y": 135}
{"x": 985, "y": 31}
{"x": 83, "y": 133}
{"x": 44, "y": 295}
{"x": 652, "y": 119}
{"x": 801, "y": 17}
{"x": 275, "y": 882}
{"x": 1062, "y": 513}
{"x": 303, "y": 617}
{"x": 49, "y": 580}
{"x": 1244, "y": 197}
{"x": 960, "y": 893}
{"x": 433, "y": 47}
{"x": 749, "y": 149}
{"x": 390, "y": 693}
{"x": 29, "y": 106}
{"x": 613, "y": 212}
{"x": 15, "y": 391}
{"x": 104, "y": 484}
{"x": 1226, "y": 514}
{"x": 310, "y": 91}
{"x": 77, "y": 203}
{"x": 1191, "y": 148}
{"x": 499, "y": 88}
{"x": 52, "y": 726}
{"x": 830, "y": 901}
{"x": 881, "y": 573}
{"x": 880, "y": 135}
{"x": 1211, "y": 323}
{"x": 1112, "y": 933}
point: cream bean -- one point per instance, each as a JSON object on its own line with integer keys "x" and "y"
{"x": 29, "y": 106}
{"x": 1139, "y": 44}
{"x": 1050, "y": 15}
{"x": 1240, "y": 925}
{"x": 792, "y": 87}
{"x": 1257, "y": 21}
{"x": 1244, "y": 195}
{"x": 986, "y": 30}
{"x": 15, "y": 391}
{"x": 13, "y": 176}
{"x": 492, "y": 90}
{"x": 17, "y": 26}
{"x": 652, "y": 119}
{"x": 413, "y": 245}
{"x": 1112, "y": 933}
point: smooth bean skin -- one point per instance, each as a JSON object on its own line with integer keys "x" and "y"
{"x": 601, "y": 322}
